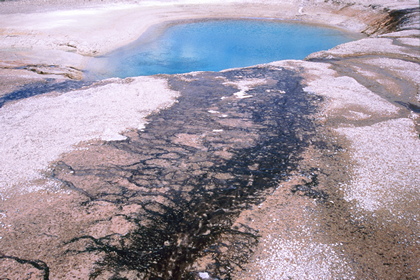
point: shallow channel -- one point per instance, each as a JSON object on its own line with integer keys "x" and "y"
{"x": 214, "y": 45}
{"x": 197, "y": 165}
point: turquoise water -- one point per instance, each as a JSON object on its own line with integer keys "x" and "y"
{"x": 215, "y": 45}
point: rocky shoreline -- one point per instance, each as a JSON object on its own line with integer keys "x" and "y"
{"x": 212, "y": 185}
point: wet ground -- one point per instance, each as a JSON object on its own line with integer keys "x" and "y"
{"x": 227, "y": 142}
{"x": 198, "y": 165}
{"x": 237, "y": 171}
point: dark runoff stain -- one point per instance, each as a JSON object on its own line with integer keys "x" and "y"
{"x": 412, "y": 107}
{"x": 200, "y": 163}
{"x": 41, "y": 266}
{"x": 42, "y": 87}
{"x": 309, "y": 188}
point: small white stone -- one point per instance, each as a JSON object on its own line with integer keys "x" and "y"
{"x": 241, "y": 95}
{"x": 204, "y": 275}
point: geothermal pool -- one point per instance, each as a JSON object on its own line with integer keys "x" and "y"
{"x": 214, "y": 45}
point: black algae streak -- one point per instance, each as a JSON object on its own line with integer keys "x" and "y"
{"x": 199, "y": 164}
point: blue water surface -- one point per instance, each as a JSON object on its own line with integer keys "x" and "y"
{"x": 214, "y": 45}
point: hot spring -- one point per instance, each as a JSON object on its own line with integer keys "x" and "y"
{"x": 214, "y": 45}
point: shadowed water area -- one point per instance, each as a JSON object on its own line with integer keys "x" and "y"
{"x": 198, "y": 164}
{"x": 215, "y": 45}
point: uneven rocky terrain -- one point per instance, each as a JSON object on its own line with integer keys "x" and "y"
{"x": 288, "y": 170}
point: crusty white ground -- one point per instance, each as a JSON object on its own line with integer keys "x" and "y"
{"x": 35, "y": 131}
{"x": 406, "y": 70}
{"x": 345, "y": 96}
{"x": 387, "y": 170}
{"x": 382, "y": 46}
{"x": 386, "y": 154}
{"x": 296, "y": 259}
